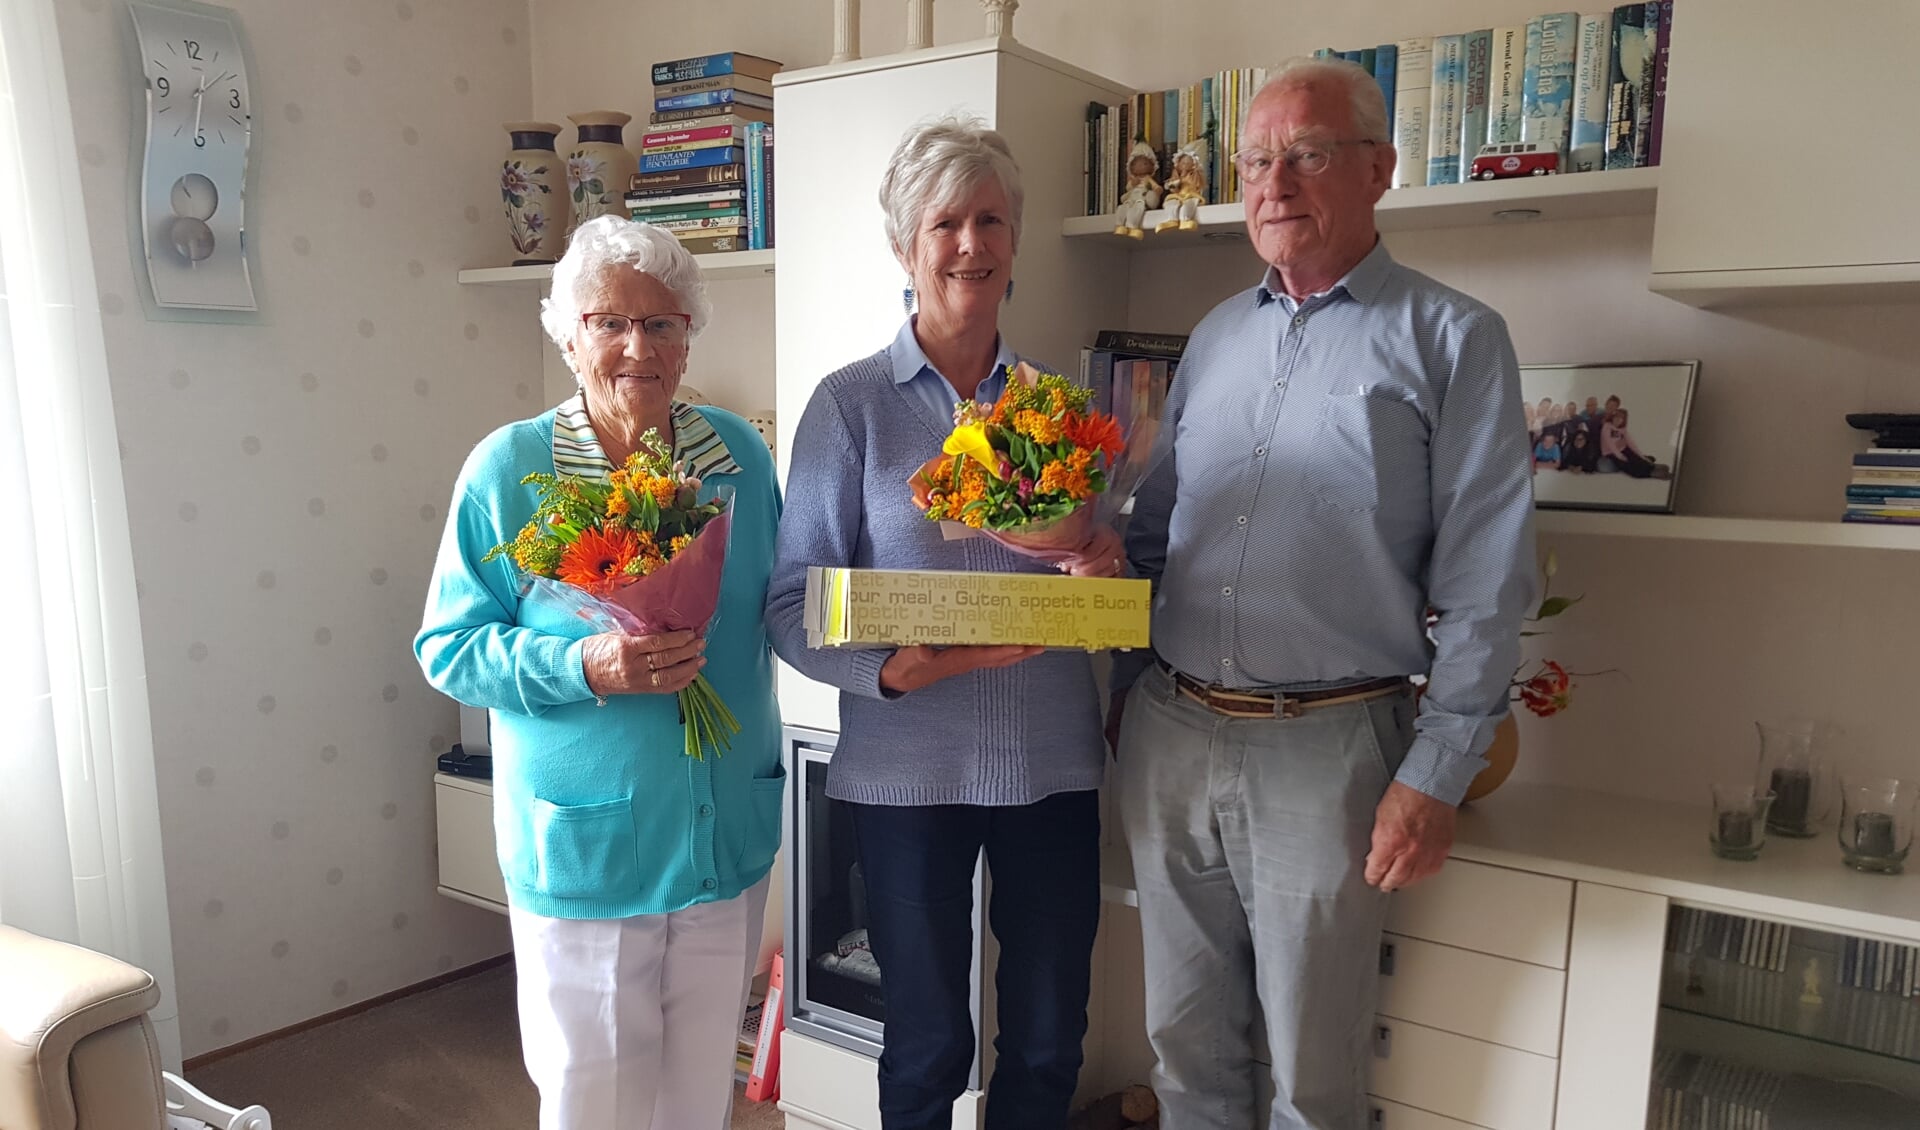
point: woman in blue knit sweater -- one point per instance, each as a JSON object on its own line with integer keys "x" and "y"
{"x": 944, "y": 753}
{"x": 636, "y": 876}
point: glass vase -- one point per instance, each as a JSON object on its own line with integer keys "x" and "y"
{"x": 1793, "y": 767}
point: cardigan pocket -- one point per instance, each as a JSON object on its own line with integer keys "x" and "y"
{"x": 767, "y": 800}
{"x": 585, "y": 850}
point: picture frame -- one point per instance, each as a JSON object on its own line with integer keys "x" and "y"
{"x": 1618, "y": 431}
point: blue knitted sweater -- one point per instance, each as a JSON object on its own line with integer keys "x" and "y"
{"x": 1003, "y": 737}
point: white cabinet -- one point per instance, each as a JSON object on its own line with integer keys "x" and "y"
{"x": 463, "y": 819}
{"x": 823, "y": 1087}
{"x": 1787, "y": 165}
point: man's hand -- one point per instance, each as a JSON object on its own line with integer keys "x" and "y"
{"x": 1412, "y": 833}
{"x": 911, "y": 668}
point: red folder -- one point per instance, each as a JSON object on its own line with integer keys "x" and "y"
{"x": 763, "y": 1082}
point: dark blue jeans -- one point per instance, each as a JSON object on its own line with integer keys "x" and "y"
{"x": 1044, "y": 908}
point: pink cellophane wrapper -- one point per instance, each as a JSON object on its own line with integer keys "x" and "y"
{"x": 684, "y": 595}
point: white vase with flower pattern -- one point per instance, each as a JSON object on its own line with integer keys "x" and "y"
{"x": 599, "y": 166}
{"x": 533, "y": 186}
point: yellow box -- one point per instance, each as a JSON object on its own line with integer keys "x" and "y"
{"x": 899, "y": 607}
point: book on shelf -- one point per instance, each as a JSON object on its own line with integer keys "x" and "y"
{"x": 1506, "y": 79}
{"x": 1587, "y": 143}
{"x": 1553, "y": 41}
{"x": 1625, "y": 68}
{"x": 1661, "y": 46}
{"x": 708, "y": 66}
{"x": 678, "y": 178}
{"x": 730, "y": 113}
{"x": 1412, "y": 94}
{"x": 743, "y": 83}
{"x": 692, "y": 159}
{"x": 1386, "y": 71}
{"x": 723, "y": 223}
{"x": 725, "y": 96}
{"x": 711, "y": 244}
{"x": 1474, "y": 97}
{"x": 755, "y": 212}
{"x": 713, "y": 210}
{"x": 1169, "y": 346}
{"x": 722, "y": 141}
{"x": 714, "y": 133}
{"x": 1445, "y": 94}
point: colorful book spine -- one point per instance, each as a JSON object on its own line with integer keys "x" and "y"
{"x": 767, "y": 153}
{"x": 1885, "y": 459}
{"x": 1478, "y": 62}
{"x": 1859, "y": 493}
{"x": 1643, "y": 110}
{"x": 756, "y": 210}
{"x": 684, "y": 178}
{"x": 1413, "y": 90}
{"x": 705, "y": 66}
{"x": 1660, "y": 51}
{"x": 723, "y": 97}
{"x": 715, "y": 82}
{"x": 1587, "y": 147}
{"x": 730, "y": 211}
{"x": 733, "y": 223}
{"x": 690, "y": 159}
{"x": 1623, "y": 82}
{"x": 732, "y": 113}
{"x": 681, "y": 197}
{"x": 679, "y": 136}
{"x": 684, "y": 146}
{"x": 707, "y": 243}
{"x": 1444, "y": 100}
{"x": 1386, "y": 66}
{"x": 1506, "y": 85}
{"x": 1548, "y": 97}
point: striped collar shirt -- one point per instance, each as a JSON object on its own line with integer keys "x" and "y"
{"x": 577, "y": 450}
{"x": 1328, "y": 469}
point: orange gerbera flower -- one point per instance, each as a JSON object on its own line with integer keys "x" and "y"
{"x": 1097, "y": 432}
{"x": 598, "y": 560}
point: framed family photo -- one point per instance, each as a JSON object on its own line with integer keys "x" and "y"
{"x": 1608, "y": 436}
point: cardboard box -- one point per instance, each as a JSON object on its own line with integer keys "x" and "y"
{"x": 896, "y": 607}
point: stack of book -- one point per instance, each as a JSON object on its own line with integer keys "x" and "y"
{"x": 706, "y": 161}
{"x": 1886, "y": 487}
{"x": 1130, "y": 373}
{"x": 1588, "y": 89}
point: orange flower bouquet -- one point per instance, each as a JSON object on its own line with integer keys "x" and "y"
{"x": 1026, "y": 471}
{"x": 640, "y": 554}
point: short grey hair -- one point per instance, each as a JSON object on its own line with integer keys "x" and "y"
{"x": 609, "y": 243}
{"x": 937, "y": 163}
{"x": 1363, "y": 92}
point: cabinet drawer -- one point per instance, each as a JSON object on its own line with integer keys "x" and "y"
{"x": 1384, "y": 1115}
{"x": 1472, "y": 994}
{"x": 1492, "y": 910}
{"x": 463, "y": 815}
{"x": 832, "y": 1084}
{"x": 1471, "y": 1080}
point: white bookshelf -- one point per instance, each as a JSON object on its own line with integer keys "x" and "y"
{"x": 722, "y": 265}
{"x": 1749, "y": 531}
{"x": 1576, "y": 196}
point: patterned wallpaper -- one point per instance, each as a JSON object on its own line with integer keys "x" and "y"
{"x": 287, "y": 480}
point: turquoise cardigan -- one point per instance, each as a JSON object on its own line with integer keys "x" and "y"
{"x": 597, "y": 810}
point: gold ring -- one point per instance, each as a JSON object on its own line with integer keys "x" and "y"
{"x": 655, "y": 678}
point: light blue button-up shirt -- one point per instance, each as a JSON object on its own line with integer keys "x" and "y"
{"x": 1326, "y": 471}
{"x": 929, "y": 386}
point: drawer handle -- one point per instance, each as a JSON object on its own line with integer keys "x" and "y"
{"x": 1377, "y": 1118}
{"x": 1382, "y": 1042}
{"x": 1386, "y": 959}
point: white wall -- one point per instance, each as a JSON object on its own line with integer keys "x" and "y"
{"x": 287, "y": 480}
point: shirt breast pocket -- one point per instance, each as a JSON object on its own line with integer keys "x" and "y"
{"x": 1364, "y": 447}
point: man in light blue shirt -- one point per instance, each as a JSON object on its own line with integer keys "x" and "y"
{"x": 1343, "y": 450}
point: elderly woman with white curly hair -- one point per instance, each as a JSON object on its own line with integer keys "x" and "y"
{"x": 946, "y": 753}
{"x": 636, "y": 876}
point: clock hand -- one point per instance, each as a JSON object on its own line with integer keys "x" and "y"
{"x": 197, "y": 99}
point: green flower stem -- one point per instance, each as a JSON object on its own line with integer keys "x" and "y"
{"x": 707, "y": 719}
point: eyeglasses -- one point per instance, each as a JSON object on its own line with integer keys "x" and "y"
{"x": 1303, "y": 159}
{"x": 663, "y": 331}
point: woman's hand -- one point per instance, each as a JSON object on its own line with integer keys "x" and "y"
{"x": 1104, "y": 555}
{"x": 911, "y": 668}
{"x": 616, "y": 663}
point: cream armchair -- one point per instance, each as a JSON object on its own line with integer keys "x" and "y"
{"x": 77, "y": 1051}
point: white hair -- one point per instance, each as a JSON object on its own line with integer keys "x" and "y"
{"x": 939, "y": 162}
{"x": 610, "y": 243}
{"x": 1363, "y": 92}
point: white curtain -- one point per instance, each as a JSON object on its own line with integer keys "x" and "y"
{"x": 79, "y": 822}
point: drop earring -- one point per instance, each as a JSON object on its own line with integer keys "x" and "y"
{"x": 1009, "y": 297}
{"x": 906, "y": 297}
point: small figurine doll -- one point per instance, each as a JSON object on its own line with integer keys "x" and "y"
{"x": 1142, "y": 193}
{"x": 1186, "y": 187}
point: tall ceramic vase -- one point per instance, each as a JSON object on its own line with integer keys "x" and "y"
{"x": 599, "y": 166}
{"x": 533, "y": 186}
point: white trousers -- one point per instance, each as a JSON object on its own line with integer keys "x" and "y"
{"x": 632, "y": 1023}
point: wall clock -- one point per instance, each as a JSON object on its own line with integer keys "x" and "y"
{"x": 199, "y": 124}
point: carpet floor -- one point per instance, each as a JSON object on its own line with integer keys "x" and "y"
{"x": 444, "y": 1059}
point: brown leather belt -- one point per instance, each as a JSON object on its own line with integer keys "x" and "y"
{"x": 1291, "y": 704}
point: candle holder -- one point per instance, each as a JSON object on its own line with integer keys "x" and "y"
{"x": 1876, "y": 823}
{"x": 1793, "y": 767}
{"x": 1739, "y": 828}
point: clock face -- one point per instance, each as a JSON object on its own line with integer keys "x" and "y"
{"x": 198, "y": 128}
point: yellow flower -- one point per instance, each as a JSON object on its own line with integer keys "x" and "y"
{"x": 970, "y": 440}
{"x": 678, "y": 544}
{"x": 1037, "y": 427}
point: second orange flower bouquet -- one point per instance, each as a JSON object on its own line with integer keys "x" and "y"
{"x": 640, "y": 554}
{"x": 1025, "y": 471}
